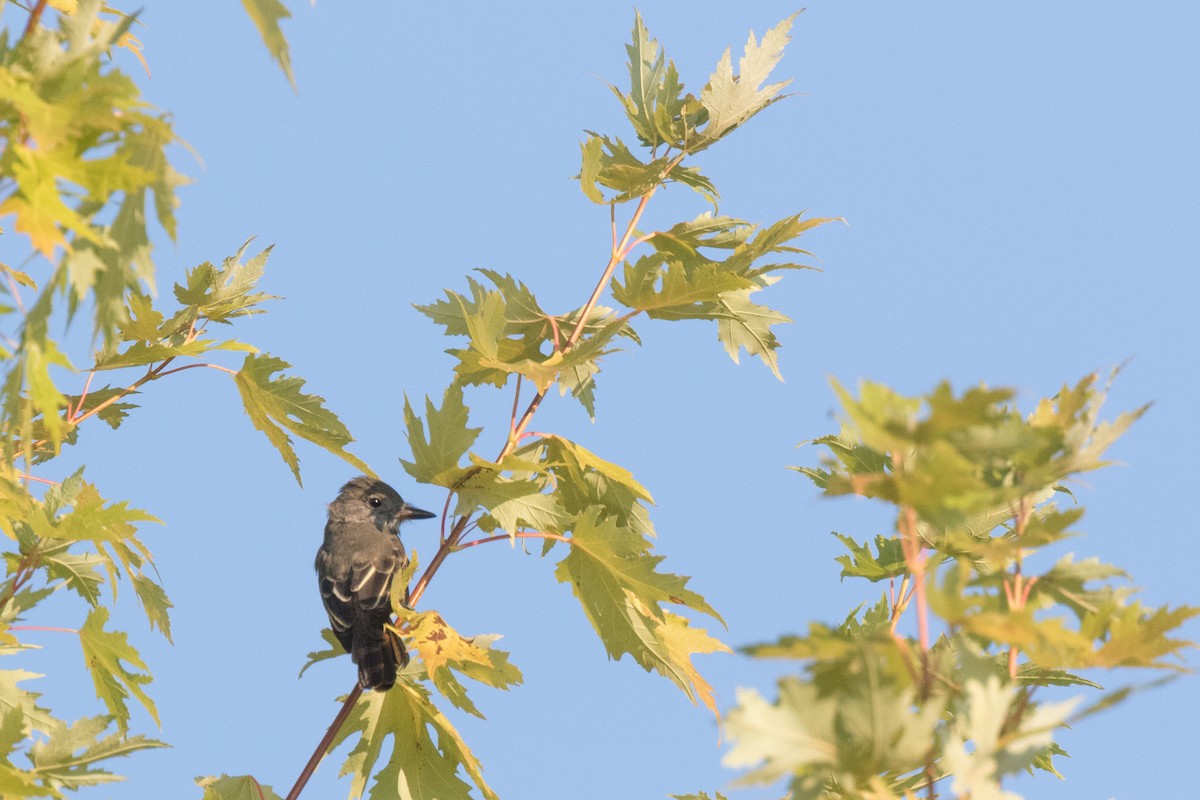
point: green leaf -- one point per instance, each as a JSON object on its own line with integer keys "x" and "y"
{"x": 426, "y": 755}
{"x": 105, "y": 653}
{"x": 14, "y": 782}
{"x": 77, "y": 571}
{"x": 333, "y": 650}
{"x": 68, "y": 757}
{"x": 109, "y": 527}
{"x": 23, "y": 703}
{"x": 1137, "y": 637}
{"x": 615, "y": 579}
{"x": 576, "y": 462}
{"x": 656, "y": 105}
{"x": 266, "y": 15}
{"x": 218, "y": 294}
{"x": 514, "y": 504}
{"x": 609, "y": 162}
{"x": 154, "y": 602}
{"x": 681, "y": 280}
{"x": 275, "y": 404}
{"x": 235, "y": 787}
{"x": 436, "y": 454}
{"x": 746, "y": 325}
{"x": 732, "y": 99}
{"x": 885, "y": 563}
{"x": 647, "y": 70}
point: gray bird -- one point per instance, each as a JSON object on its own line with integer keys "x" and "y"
{"x": 355, "y": 565}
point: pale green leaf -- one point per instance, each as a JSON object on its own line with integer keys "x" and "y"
{"x": 276, "y": 404}
{"x": 106, "y": 653}
{"x": 234, "y": 787}
{"x": 266, "y": 15}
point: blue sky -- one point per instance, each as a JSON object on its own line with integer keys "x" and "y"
{"x": 1020, "y": 186}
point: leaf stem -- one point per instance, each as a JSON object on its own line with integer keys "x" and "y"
{"x": 12, "y": 285}
{"x": 87, "y": 385}
{"x": 518, "y": 535}
{"x": 197, "y": 366}
{"x": 42, "y": 628}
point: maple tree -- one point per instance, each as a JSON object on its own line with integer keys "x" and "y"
{"x": 875, "y": 713}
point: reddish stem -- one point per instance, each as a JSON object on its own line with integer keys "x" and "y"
{"x": 504, "y": 537}
{"x": 326, "y": 741}
{"x": 34, "y": 16}
{"x": 41, "y": 628}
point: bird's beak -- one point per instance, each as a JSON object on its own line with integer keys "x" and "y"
{"x": 408, "y": 512}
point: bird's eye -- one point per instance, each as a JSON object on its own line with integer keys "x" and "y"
{"x": 374, "y": 502}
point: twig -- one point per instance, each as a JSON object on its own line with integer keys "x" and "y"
{"x": 618, "y": 253}
{"x": 197, "y": 366}
{"x": 151, "y": 374}
{"x": 26, "y": 476}
{"x": 12, "y": 286}
{"x": 87, "y": 385}
{"x": 512, "y": 420}
{"x": 899, "y": 603}
{"x": 41, "y": 628}
{"x": 518, "y": 535}
{"x": 34, "y": 16}
{"x": 326, "y": 740}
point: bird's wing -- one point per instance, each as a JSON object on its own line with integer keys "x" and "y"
{"x": 336, "y": 597}
{"x": 370, "y": 579}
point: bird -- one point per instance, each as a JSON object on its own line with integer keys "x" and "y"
{"x": 355, "y": 565}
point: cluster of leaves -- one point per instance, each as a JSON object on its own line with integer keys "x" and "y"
{"x": 977, "y": 489}
{"x": 82, "y": 157}
{"x": 591, "y": 513}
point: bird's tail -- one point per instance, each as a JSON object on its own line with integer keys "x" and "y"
{"x": 378, "y": 652}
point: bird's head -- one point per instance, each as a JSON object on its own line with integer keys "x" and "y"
{"x": 366, "y": 499}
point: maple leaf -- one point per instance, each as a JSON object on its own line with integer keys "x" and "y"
{"x": 105, "y": 653}
{"x": 275, "y": 404}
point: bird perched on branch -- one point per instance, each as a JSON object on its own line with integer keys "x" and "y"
{"x": 355, "y": 565}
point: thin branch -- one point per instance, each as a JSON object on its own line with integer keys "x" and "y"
{"x": 27, "y": 477}
{"x": 197, "y": 366}
{"x": 12, "y": 285}
{"x": 445, "y": 513}
{"x": 900, "y": 602}
{"x": 326, "y": 740}
{"x": 512, "y": 420}
{"x": 613, "y": 260}
{"x": 504, "y": 537}
{"x": 42, "y": 628}
{"x": 21, "y": 576}
{"x": 151, "y": 374}
{"x": 87, "y": 385}
{"x": 34, "y": 16}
